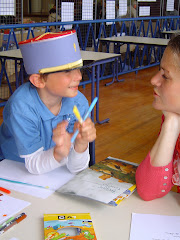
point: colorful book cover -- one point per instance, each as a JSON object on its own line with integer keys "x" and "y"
{"x": 68, "y": 226}
{"x": 108, "y": 181}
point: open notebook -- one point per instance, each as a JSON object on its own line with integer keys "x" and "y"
{"x": 108, "y": 181}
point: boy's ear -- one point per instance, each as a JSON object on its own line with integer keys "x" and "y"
{"x": 37, "y": 81}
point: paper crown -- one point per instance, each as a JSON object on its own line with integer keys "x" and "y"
{"x": 51, "y": 52}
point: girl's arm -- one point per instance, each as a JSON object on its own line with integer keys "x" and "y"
{"x": 154, "y": 174}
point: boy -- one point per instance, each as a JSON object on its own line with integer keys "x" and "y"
{"x": 38, "y": 119}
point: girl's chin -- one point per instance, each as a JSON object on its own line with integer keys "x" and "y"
{"x": 157, "y": 106}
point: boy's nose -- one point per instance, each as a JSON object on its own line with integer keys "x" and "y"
{"x": 77, "y": 75}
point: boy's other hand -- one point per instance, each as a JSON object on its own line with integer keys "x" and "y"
{"x": 62, "y": 139}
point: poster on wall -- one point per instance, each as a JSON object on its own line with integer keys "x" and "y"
{"x": 67, "y": 13}
{"x": 110, "y": 10}
{"x": 146, "y": 0}
{"x": 170, "y": 5}
{"x": 7, "y": 7}
{"x": 87, "y": 9}
{"x": 122, "y": 8}
{"x": 144, "y": 11}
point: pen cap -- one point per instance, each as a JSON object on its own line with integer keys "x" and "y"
{"x": 21, "y": 218}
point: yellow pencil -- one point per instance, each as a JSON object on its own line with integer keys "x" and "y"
{"x": 77, "y": 114}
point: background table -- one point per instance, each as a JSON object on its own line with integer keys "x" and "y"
{"x": 137, "y": 40}
{"x": 168, "y": 33}
{"x": 147, "y": 42}
{"x": 109, "y": 222}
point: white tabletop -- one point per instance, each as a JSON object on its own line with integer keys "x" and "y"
{"x": 109, "y": 222}
{"x": 86, "y": 55}
{"x": 171, "y": 31}
{"x": 137, "y": 40}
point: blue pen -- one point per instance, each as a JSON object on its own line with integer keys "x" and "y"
{"x": 85, "y": 117}
{"x": 28, "y": 184}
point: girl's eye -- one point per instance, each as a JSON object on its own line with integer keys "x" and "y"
{"x": 164, "y": 76}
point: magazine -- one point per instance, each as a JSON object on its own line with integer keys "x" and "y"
{"x": 108, "y": 181}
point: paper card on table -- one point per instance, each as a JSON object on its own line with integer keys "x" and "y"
{"x": 10, "y": 206}
{"x": 69, "y": 226}
{"x": 152, "y": 227}
{"x": 16, "y": 171}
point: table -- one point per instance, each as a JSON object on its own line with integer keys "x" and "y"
{"x": 146, "y": 41}
{"x": 109, "y": 222}
{"x": 168, "y": 33}
{"x": 171, "y": 31}
{"x": 17, "y": 57}
{"x": 137, "y": 40}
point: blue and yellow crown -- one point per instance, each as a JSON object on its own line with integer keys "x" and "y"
{"x": 51, "y": 52}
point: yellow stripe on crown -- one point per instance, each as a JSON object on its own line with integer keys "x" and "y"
{"x": 64, "y": 67}
{"x": 43, "y": 35}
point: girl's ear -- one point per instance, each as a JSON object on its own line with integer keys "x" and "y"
{"x": 37, "y": 80}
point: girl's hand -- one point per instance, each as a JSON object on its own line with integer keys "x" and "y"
{"x": 172, "y": 120}
{"x": 62, "y": 139}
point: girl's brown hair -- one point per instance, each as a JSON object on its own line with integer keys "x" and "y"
{"x": 174, "y": 44}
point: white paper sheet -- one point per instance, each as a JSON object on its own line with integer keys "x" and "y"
{"x": 87, "y": 9}
{"x": 122, "y": 7}
{"x": 16, "y": 171}
{"x": 8, "y": 7}
{"x": 67, "y": 13}
{"x": 110, "y": 10}
{"x": 154, "y": 227}
{"x": 10, "y": 206}
{"x": 170, "y": 5}
{"x": 144, "y": 11}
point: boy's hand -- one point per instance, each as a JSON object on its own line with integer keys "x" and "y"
{"x": 62, "y": 139}
{"x": 87, "y": 133}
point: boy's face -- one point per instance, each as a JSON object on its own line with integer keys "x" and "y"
{"x": 63, "y": 84}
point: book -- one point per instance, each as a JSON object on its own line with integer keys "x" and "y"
{"x": 68, "y": 226}
{"x": 108, "y": 181}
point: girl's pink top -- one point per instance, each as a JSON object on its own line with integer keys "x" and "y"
{"x": 154, "y": 182}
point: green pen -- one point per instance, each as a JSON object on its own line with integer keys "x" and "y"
{"x": 5, "y": 223}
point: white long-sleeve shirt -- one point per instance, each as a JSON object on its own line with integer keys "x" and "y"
{"x": 42, "y": 161}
